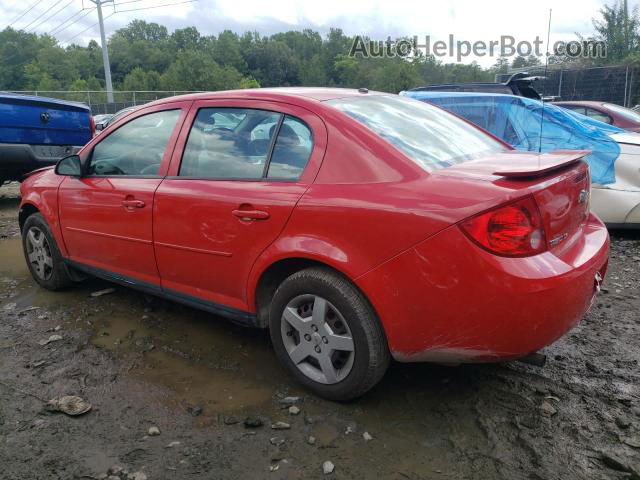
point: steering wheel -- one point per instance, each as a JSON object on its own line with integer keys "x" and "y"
{"x": 222, "y": 130}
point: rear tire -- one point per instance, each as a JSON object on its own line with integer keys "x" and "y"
{"x": 43, "y": 257}
{"x": 325, "y": 332}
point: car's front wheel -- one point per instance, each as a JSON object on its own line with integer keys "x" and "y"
{"x": 42, "y": 254}
{"x": 327, "y": 334}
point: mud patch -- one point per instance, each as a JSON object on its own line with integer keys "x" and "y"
{"x": 144, "y": 363}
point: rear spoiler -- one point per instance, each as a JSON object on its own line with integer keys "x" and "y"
{"x": 528, "y": 165}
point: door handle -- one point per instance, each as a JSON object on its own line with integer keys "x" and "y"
{"x": 133, "y": 204}
{"x": 248, "y": 215}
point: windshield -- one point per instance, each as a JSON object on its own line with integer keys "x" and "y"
{"x": 625, "y": 112}
{"x": 428, "y": 135}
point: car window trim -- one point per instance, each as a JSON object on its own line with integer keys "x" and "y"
{"x": 272, "y": 145}
{"x": 226, "y": 179}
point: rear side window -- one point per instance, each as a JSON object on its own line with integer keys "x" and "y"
{"x": 245, "y": 144}
{"x": 426, "y": 134}
{"x": 136, "y": 148}
{"x": 292, "y": 150}
{"x": 600, "y": 116}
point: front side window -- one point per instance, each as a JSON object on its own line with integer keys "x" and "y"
{"x": 136, "y": 148}
{"x": 429, "y": 136}
{"x": 241, "y": 144}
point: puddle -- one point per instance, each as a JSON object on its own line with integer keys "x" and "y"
{"x": 12, "y": 263}
{"x": 202, "y": 359}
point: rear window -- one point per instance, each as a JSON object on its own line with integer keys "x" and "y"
{"x": 428, "y": 135}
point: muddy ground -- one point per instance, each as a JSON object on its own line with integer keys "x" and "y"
{"x": 146, "y": 363}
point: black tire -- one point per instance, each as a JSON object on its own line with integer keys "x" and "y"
{"x": 57, "y": 277}
{"x": 371, "y": 353}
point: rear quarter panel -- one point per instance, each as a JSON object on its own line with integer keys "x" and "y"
{"x": 370, "y": 203}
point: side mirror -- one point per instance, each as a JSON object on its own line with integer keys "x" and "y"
{"x": 99, "y": 126}
{"x": 69, "y": 166}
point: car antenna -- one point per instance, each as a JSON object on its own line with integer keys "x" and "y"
{"x": 544, "y": 85}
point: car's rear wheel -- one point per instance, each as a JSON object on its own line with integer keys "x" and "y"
{"x": 327, "y": 334}
{"x": 42, "y": 254}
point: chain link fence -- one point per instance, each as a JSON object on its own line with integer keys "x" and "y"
{"x": 613, "y": 84}
{"x": 97, "y": 100}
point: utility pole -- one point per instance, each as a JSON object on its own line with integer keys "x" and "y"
{"x": 105, "y": 50}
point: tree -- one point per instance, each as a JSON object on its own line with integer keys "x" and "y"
{"x": 619, "y": 29}
{"x": 139, "y": 79}
{"x": 146, "y": 56}
{"x": 227, "y": 51}
{"x": 196, "y": 70}
{"x": 501, "y": 65}
{"x": 521, "y": 62}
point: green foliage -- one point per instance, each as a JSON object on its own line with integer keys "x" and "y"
{"x": 619, "y": 28}
{"x": 145, "y": 56}
{"x": 521, "y": 62}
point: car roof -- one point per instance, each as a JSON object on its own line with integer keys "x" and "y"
{"x": 583, "y": 103}
{"x": 275, "y": 94}
{"x": 441, "y": 94}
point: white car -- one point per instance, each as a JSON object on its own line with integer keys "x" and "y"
{"x": 618, "y": 204}
{"x": 520, "y": 122}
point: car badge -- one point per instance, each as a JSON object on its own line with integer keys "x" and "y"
{"x": 582, "y": 197}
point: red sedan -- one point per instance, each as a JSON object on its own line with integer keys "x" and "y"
{"x": 610, "y": 113}
{"x": 356, "y": 226}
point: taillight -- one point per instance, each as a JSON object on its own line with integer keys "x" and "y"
{"x": 92, "y": 126}
{"x": 513, "y": 230}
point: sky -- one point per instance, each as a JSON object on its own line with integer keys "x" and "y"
{"x": 466, "y": 20}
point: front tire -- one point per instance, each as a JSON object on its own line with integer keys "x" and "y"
{"x": 43, "y": 257}
{"x": 327, "y": 334}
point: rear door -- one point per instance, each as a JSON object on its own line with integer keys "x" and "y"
{"x": 106, "y": 215}
{"x": 239, "y": 171}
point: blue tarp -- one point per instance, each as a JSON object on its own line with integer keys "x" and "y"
{"x": 518, "y": 121}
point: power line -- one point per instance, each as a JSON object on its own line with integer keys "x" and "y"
{"x": 41, "y": 15}
{"x": 88, "y": 28}
{"x": 53, "y": 15}
{"x": 59, "y": 30}
{"x": 128, "y": 1}
{"x": 155, "y": 6}
{"x": 24, "y": 13}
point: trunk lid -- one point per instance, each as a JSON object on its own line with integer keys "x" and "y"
{"x": 43, "y": 121}
{"x": 558, "y": 181}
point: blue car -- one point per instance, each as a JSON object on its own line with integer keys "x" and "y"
{"x": 531, "y": 125}
{"x": 36, "y": 132}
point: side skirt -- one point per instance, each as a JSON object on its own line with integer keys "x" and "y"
{"x": 239, "y": 317}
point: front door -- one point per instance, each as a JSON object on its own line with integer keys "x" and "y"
{"x": 106, "y": 215}
{"x": 230, "y": 193}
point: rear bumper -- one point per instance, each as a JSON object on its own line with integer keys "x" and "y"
{"x": 19, "y": 159}
{"x": 448, "y": 301}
